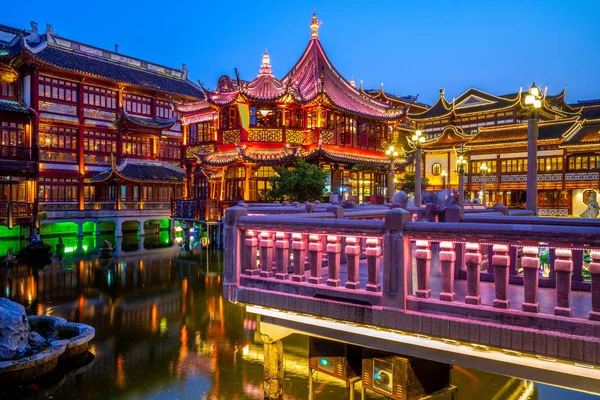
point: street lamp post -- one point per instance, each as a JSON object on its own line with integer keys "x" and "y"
{"x": 418, "y": 139}
{"x": 534, "y": 101}
{"x": 461, "y": 168}
{"x": 444, "y": 176}
{"x": 391, "y": 153}
{"x": 484, "y": 169}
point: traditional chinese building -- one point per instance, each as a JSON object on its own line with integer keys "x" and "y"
{"x": 85, "y": 129}
{"x": 493, "y": 130}
{"x": 245, "y": 128}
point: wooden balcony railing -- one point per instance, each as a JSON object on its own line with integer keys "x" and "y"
{"x": 19, "y": 209}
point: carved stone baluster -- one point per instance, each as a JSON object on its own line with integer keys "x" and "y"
{"x": 563, "y": 266}
{"x": 423, "y": 256}
{"x": 531, "y": 268}
{"x": 334, "y": 248}
{"x": 447, "y": 260}
{"x": 266, "y": 254}
{"x": 315, "y": 256}
{"x": 373, "y": 252}
{"x": 352, "y": 251}
{"x": 501, "y": 263}
{"x": 473, "y": 260}
{"x": 251, "y": 243}
{"x": 282, "y": 248}
{"x": 594, "y": 268}
{"x": 299, "y": 253}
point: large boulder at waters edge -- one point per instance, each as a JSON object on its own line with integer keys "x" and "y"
{"x": 14, "y": 330}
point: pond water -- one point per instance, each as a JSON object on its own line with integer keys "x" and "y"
{"x": 163, "y": 331}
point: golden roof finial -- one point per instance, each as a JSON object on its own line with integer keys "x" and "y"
{"x": 314, "y": 25}
{"x": 352, "y": 82}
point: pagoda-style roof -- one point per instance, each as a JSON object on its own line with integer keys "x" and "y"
{"x": 261, "y": 155}
{"x": 587, "y": 135}
{"x": 381, "y": 95}
{"x": 13, "y": 106}
{"x": 353, "y": 156}
{"x": 134, "y": 170}
{"x": 451, "y": 137}
{"x": 475, "y": 101}
{"x": 517, "y": 133}
{"x": 55, "y": 52}
{"x": 312, "y": 78}
{"x": 146, "y": 122}
{"x": 440, "y": 108}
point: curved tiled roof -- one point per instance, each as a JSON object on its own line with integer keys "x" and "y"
{"x": 264, "y": 87}
{"x": 314, "y": 73}
{"x": 13, "y": 106}
{"x": 351, "y": 156}
{"x": 451, "y": 137}
{"x": 142, "y": 171}
{"x": 517, "y": 133}
{"x": 588, "y": 134}
{"x": 71, "y": 61}
{"x": 146, "y": 122}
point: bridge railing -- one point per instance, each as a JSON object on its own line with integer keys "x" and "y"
{"x": 258, "y": 256}
{"x": 277, "y": 251}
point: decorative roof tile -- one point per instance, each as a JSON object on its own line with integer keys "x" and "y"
{"x": 146, "y": 122}
{"x": 13, "y": 106}
{"x": 142, "y": 171}
{"x": 517, "y": 133}
{"x": 588, "y": 134}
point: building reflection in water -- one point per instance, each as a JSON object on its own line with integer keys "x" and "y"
{"x": 164, "y": 330}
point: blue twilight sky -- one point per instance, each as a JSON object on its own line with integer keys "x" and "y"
{"x": 413, "y": 47}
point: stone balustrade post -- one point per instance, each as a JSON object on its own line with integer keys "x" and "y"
{"x": 594, "y": 268}
{"x": 473, "y": 260}
{"x": 299, "y": 254}
{"x": 563, "y": 266}
{"x": 501, "y": 263}
{"x": 233, "y": 244}
{"x": 282, "y": 248}
{"x": 373, "y": 253}
{"x": 334, "y": 248}
{"x": 266, "y": 254}
{"x": 423, "y": 256}
{"x": 352, "y": 251}
{"x": 250, "y": 249}
{"x": 315, "y": 256}
{"x": 397, "y": 260}
{"x": 447, "y": 260}
{"x": 530, "y": 262}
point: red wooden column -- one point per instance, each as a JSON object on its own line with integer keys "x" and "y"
{"x": 80, "y": 148}
{"x": 352, "y": 251}
{"x": 563, "y": 266}
{"x": 531, "y": 266}
{"x": 423, "y": 256}
{"x": 299, "y": 253}
{"x": 447, "y": 260}
{"x": 473, "y": 262}
{"x": 501, "y": 262}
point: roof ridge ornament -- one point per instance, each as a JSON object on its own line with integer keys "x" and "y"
{"x": 265, "y": 67}
{"x": 314, "y": 26}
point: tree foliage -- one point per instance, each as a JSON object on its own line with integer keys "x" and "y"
{"x": 407, "y": 183}
{"x": 303, "y": 182}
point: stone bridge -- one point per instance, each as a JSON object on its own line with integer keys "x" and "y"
{"x": 513, "y": 295}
